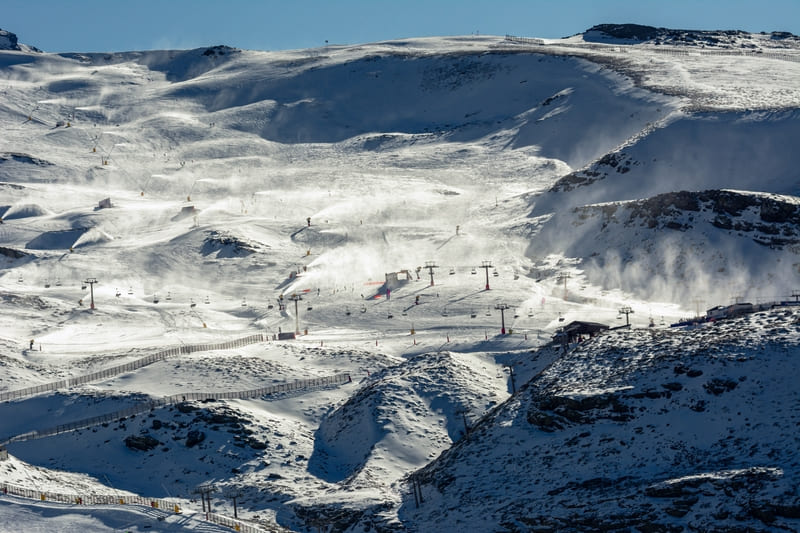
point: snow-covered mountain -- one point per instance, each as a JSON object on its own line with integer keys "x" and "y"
{"x": 395, "y": 205}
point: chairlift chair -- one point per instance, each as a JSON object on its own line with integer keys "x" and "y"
{"x": 83, "y": 286}
{"x": 155, "y": 298}
{"x": 452, "y": 271}
{"x": 191, "y": 302}
{"x": 117, "y": 293}
{"x": 472, "y": 314}
{"x": 207, "y": 300}
{"x": 169, "y": 296}
{"x": 473, "y": 271}
{"x": 47, "y": 284}
{"x": 130, "y": 290}
{"x": 495, "y": 273}
{"x": 58, "y": 282}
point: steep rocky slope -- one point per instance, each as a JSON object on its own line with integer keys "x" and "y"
{"x": 642, "y": 430}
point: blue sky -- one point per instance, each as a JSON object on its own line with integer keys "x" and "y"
{"x": 124, "y": 25}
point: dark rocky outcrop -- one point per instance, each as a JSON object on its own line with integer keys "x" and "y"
{"x": 143, "y": 443}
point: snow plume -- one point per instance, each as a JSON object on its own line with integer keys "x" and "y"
{"x": 669, "y": 270}
{"x": 678, "y": 247}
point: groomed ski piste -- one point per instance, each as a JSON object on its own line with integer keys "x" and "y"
{"x": 402, "y": 209}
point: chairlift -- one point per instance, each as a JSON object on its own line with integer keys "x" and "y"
{"x": 130, "y": 290}
{"x": 530, "y": 313}
{"x": 390, "y": 315}
{"x": 155, "y": 298}
{"x": 58, "y": 282}
{"x": 473, "y": 271}
{"x": 347, "y": 311}
{"x": 560, "y": 318}
{"x": 404, "y": 313}
{"x": 19, "y": 280}
{"x": 452, "y": 271}
{"x": 444, "y": 312}
{"x": 191, "y": 302}
{"x": 117, "y": 293}
{"x": 207, "y": 300}
{"x": 83, "y": 286}
{"x": 309, "y": 308}
{"x": 489, "y": 311}
{"x": 244, "y": 302}
{"x": 516, "y": 314}
{"x": 472, "y": 314}
{"x": 495, "y": 273}
{"x": 47, "y": 284}
{"x": 169, "y": 296}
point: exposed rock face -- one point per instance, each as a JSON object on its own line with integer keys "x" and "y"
{"x": 773, "y": 220}
{"x": 195, "y": 436}
{"x": 143, "y": 443}
{"x": 226, "y": 245}
{"x": 8, "y": 41}
{"x": 676, "y": 37}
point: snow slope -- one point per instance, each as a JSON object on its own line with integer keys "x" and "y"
{"x": 271, "y": 192}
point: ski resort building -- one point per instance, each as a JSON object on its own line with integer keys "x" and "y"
{"x": 578, "y": 330}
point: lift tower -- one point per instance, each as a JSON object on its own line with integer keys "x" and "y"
{"x": 296, "y": 298}
{"x": 90, "y": 282}
{"x": 430, "y": 265}
{"x": 486, "y": 265}
{"x": 502, "y": 308}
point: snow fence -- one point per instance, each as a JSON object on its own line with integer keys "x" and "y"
{"x": 129, "y": 367}
{"x": 90, "y": 499}
{"x": 144, "y": 407}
